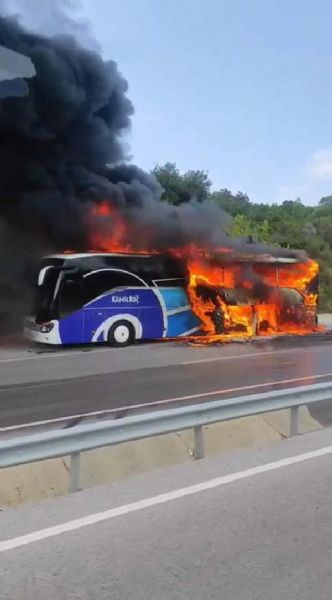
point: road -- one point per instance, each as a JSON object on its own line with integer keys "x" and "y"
{"x": 45, "y": 385}
{"x": 255, "y": 526}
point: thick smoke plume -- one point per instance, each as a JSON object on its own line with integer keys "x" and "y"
{"x": 56, "y": 141}
{"x": 62, "y": 151}
{"x": 51, "y": 17}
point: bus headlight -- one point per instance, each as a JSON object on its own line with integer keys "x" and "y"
{"x": 47, "y": 328}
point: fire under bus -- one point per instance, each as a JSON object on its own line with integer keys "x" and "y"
{"x": 246, "y": 296}
{"x": 119, "y": 298}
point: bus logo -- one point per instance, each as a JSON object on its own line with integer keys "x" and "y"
{"x": 126, "y": 299}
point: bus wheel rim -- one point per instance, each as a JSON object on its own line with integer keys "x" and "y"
{"x": 121, "y": 334}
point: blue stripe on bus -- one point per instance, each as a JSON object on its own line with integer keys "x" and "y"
{"x": 174, "y": 297}
{"x": 181, "y": 323}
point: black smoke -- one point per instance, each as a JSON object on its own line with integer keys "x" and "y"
{"x": 62, "y": 151}
{"x": 56, "y": 141}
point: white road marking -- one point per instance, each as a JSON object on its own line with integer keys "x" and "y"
{"x": 108, "y": 411}
{"x": 54, "y": 354}
{"x": 42, "y": 534}
{"x": 30, "y": 386}
{"x": 252, "y": 354}
{"x": 34, "y": 386}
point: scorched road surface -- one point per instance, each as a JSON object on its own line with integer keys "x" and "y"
{"x": 152, "y": 376}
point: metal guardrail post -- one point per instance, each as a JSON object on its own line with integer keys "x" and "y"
{"x": 74, "y": 472}
{"x": 46, "y": 445}
{"x": 199, "y": 442}
{"x": 294, "y": 420}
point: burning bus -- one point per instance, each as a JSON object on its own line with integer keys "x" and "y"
{"x": 237, "y": 296}
{"x": 122, "y": 297}
{"x": 65, "y": 183}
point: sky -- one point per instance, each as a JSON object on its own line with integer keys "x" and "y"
{"x": 239, "y": 88}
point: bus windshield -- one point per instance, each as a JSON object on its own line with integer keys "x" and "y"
{"x": 45, "y": 289}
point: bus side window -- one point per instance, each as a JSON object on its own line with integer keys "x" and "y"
{"x": 71, "y": 297}
{"x": 290, "y": 296}
{"x": 171, "y": 282}
{"x": 102, "y": 282}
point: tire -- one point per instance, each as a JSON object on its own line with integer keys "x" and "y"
{"x": 121, "y": 334}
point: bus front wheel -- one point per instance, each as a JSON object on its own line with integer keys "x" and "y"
{"x": 122, "y": 333}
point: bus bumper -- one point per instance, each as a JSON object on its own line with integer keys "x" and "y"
{"x": 45, "y": 333}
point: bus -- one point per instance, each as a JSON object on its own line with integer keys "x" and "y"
{"x": 120, "y": 298}
{"x": 110, "y": 297}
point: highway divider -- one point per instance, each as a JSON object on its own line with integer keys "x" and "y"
{"x": 71, "y": 442}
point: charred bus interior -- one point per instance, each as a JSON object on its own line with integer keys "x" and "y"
{"x": 246, "y": 296}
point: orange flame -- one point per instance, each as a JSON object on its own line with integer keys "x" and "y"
{"x": 229, "y": 308}
{"x": 109, "y": 231}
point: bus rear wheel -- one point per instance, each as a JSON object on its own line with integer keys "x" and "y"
{"x": 121, "y": 333}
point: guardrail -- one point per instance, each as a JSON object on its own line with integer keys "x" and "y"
{"x": 71, "y": 442}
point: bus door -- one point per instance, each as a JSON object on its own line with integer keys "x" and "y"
{"x": 70, "y": 310}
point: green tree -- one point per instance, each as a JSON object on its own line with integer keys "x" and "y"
{"x": 178, "y": 187}
{"x": 245, "y": 227}
{"x": 233, "y": 204}
{"x": 242, "y": 226}
{"x": 326, "y": 201}
{"x": 263, "y": 232}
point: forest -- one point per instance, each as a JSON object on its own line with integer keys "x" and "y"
{"x": 290, "y": 224}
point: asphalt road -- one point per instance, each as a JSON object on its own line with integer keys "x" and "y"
{"x": 247, "y": 528}
{"x": 48, "y": 385}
